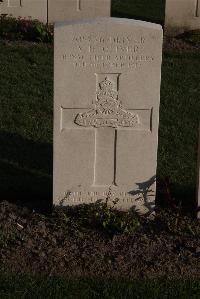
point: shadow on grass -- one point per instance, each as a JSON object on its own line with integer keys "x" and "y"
{"x": 25, "y": 171}
{"x": 26, "y": 176}
{"x": 138, "y": 17}
{"x": 173, "y": 195}
{"x": 150, "y": 11}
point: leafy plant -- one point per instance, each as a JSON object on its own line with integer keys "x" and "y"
{"x": 114, "y": 221}
{"x": 25, "y": 29}
{"x": 101, "y": 214}
{"x": 44, "y": 32}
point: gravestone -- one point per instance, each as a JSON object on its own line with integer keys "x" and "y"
{"x": 198, "y": 179}
{"x": 106, "y": 112}
{"x": 29, "y": 9}
{"x": 61, "y": 10}
{"x": 55, "y": 10}
{"x": 181, "y": 16}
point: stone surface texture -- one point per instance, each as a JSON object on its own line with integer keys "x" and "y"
{"x": 30, "y": 9}
{"x": 61, "y": 10}
{"x": 106, "y": 112}
{"x": 181, "y": 16}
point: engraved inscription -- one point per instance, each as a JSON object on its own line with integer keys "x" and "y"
{"x": 108, "y": 111}
{"x": 118, "y": 51}
{"x": 122, "y": 196}
{"x": 94, "y": 199}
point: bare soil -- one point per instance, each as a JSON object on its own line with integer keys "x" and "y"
{"x": 67, "y": 243}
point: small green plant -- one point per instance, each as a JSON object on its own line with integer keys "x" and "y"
{"x": 114, "y": 221}
{"x": 45, "y": 33}
{"x": 101, "y": 214}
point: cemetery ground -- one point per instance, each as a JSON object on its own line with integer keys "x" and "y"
{"x": 95, "y": 241}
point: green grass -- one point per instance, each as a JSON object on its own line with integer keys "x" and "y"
{"x": 26, "y": 114}
{"x": 26, "y": 121}
{"x": 26, "y": 77}
{"x": 26, "y": 99}
{"x": 179, "y": 117}
{"x": 146, "y": 10}
{"x": 60, "y": 287}
{"x": 192, "y": 37}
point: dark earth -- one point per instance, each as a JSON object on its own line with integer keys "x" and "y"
{"x": 74, "y": 241}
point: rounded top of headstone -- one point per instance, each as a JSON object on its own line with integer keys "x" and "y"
{"x": 106, "y": 20}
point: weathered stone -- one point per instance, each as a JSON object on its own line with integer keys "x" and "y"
{"x": 29, "y": 9}
{"x": 106, "y": 112}
{"x": 62, "y": 10}
{"x": 181, "y": 16}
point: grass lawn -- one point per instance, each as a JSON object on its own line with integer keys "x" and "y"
{"x": 179, "y": 117}
{"x": 26, "y": 120}
{"x": 26, "y": 114}
{"x": 60, "y": 287}
{"x": 146, "y": 10}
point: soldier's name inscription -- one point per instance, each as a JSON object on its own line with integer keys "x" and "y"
{"x": 113, "y": 51}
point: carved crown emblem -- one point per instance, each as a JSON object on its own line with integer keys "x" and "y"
{"x": 106, "y": 84}
{"x": 108, "y": 110}
{"x": 107, "y": 98}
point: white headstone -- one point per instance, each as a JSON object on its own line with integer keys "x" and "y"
{"x": 29, "y": 9}
{"x": 106, "y": 111}
{"x": 62, "y": 10}
{"x": 181, "y": 16}
{"x": 55, "y": 10}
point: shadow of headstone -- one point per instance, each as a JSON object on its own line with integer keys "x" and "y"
{"x": 145, "y": 10}
{"x": 25, "y": 171}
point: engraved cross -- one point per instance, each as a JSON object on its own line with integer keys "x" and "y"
{"x": 14, "y": 3}
{"x": 197, "y": 9}
{"x": 107, "y": 118}
{"x": 78, "y": 5}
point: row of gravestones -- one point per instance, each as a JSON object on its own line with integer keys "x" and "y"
{"x": 180, "y": 15}
{"x": 50, "y": 11}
